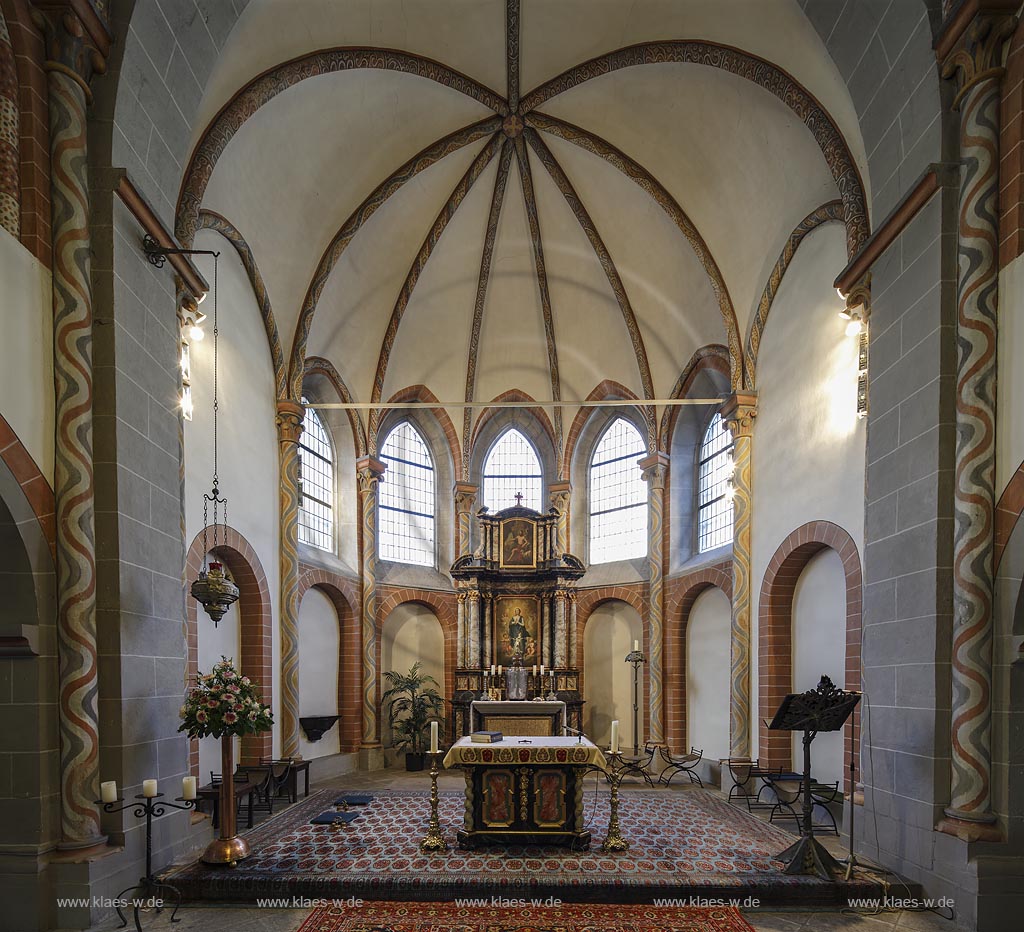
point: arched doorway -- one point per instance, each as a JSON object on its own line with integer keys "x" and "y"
{"x": 611, "y": 628}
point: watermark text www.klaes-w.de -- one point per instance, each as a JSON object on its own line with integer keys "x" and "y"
{"x": 901, "y": 902}
{"x": 307, "y": 902}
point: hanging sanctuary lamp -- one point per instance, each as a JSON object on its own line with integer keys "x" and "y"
{"x": 213, "y": 588}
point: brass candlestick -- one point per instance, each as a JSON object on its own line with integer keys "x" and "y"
{"x": 433, "y": 840}
{"x": 614, "y": 842}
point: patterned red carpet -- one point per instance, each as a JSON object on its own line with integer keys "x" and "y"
{"x": 447, "y": 917}
{"x": 680, "y": 842}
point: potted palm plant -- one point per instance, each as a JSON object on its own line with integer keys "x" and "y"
{"x": 413, "y": 702}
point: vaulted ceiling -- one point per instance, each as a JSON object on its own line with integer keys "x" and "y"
{"x": 599, "y": 226}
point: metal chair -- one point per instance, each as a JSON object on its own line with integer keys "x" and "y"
{"x": 788, "y": 796}
{"x": 685, "y": 763}
{"x": 640, "y": 766}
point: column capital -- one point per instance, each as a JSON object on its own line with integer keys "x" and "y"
{"x": 559, "y": 493}
{"x": 465, "y": 494}
{"x": 970, "y": 48}
{"x": 858, "y": 298}
{"x": 77, "y": 39}
{"x": 289, "y": 419}
{"x": 369, "y": 472}
{"x": 738, "y": 411}
{"x": 655, "y": 469}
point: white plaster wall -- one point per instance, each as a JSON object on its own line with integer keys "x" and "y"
{"x": 608, "y": 680}
{"x": 224, "y": 640}
{"x": 248, "y": 454}
{"x": 819, "y": 648}
{"x": 411, "y": 633}
{"x": 707, "y": 674}
{"x": 808, "y": 444}
{"x": 1010, "y": 384}
{"x": 26, "y": 351}
{"x": 318, "y": 669}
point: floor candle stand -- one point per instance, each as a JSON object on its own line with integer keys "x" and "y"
{"x": 434, "y": 839}
{"x": 148, "y": 886}
{"x": 636, "y": 658}
{"x": 614, "y": 842}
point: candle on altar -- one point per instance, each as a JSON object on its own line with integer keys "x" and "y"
{"x": 615, "y": 736}
{"x": 535, "y": 669}
{"x": 499, "y": 669}
{"x": 542, "y": 669}
{"x": 108, "y": 791}
{"x": 636, "y": 645}
{"x": 433, "y": 737}
{"x": 188, "y": 787}
{"x": 149, "y": 788}
{"x": 492, "y": 669}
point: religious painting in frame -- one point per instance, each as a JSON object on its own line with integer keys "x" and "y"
{"x": 518, "y": 544}
{"x": 517, "y": 630}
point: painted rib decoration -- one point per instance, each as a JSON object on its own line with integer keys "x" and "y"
{"x": 645, "y": 180}
{"x": 756, "y": 70}
{"x": 739, "y": 414}
{"x": 977, "y": 66}
{"x": 319, "y": 366}
{"x": 209, "y": 220}
{"x": 532, "y": 218}
{"x": 512, "y": 20}
{"x": 718, "y": 359}
{"x": 289, "y": 430}
{"x": 10, "y": 186}
{"x": 655, "y": 473}
{"x": 483, "y": 279}
{"x": 268, "y": 85}
{"x": 833, "y": 210}
{"x": 393, "y": 183}
{"x": 440, "y": 224}
{"x": 73, "y": 471}
{"x": 563, "y": 184}
{"x": 369, "y": 473}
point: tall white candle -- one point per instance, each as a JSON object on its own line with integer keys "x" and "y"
{"x": 492, "y": 669}
{"x": 499, "y": 669}
{"x": 615, "y": 736}
{"x": 108, "y": 791}
{"x": 542, "y": 669}
{"x": 535, "y": 669}
{"x": 433, "y": 737}
{"x": 188, "y": 787}
{"x": 636, "y": 645}
{"x": 149, "y": 788}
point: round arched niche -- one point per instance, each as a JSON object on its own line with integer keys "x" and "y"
{"x": 611, "y": 628}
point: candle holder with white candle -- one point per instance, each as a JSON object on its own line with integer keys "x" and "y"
{"x": 151, "y": 805}
{"x": 636, "y": 657}
{"x": 434, "y": 839}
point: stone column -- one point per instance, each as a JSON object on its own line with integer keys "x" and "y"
{"x": 560, "y": 628}
{"x": 975, "y": 64}
{"x": 465, "y": 496}
{"x": 738, "y": 412}
{"x": 573, "y": 643}
{"x": 547, "y": 653}
{"x": 289, "y": 430}
{"x": 655, "y": 472}
{"x": 561, "y": 493}
{"x": 462, "y": 647}
{"x": 369, "y": 472}
{"x": 73, "y": 56}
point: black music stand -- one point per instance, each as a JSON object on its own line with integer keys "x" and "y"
{"x": 825, "y": 708}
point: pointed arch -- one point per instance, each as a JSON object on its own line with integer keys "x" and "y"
{"x": 423, "y": 395}
{"x": 609, "y": 389}
{"x": 407, "y": 501}
{"x": 529, "y": 405}
{"x": 713, "y": 357}
{"x": 317, "y": 365}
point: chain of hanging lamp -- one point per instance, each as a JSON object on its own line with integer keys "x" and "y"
{"x": 214, "y": 589}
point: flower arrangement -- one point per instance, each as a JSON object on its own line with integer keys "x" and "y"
{"x": 224, "y": 703}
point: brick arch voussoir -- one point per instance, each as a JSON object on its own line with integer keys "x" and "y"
{"x": 775, "y": 626}
{"x": 421, "y": 393}
{"x": 713, "y": 357}
{"x": 529, "y": 404}
{"x": 33, "y": 483}
{"x": 255, "y": 623}
{"x": 609, "y": 388}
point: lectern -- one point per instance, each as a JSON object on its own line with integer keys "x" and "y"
{"x": 825, "y": 708}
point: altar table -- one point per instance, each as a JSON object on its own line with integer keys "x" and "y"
{"x": 524, "y": 717}
{"x": 525, "y": 790}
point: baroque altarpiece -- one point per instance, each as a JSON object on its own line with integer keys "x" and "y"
{"x": 517, "y": 598}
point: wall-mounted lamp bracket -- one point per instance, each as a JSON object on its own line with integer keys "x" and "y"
{"x": 158, "y": 254}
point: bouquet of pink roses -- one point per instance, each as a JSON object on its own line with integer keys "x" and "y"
{"x": 224, "y": 703}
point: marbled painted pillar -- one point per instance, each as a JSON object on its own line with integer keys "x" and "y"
{"x": 738, "y": 412}
{"x": 560, "y": 628}
{"x": 573, "y": 634}
{"x": 473, "y": 659}
{"x": 369, "y": 472}
{"x": 976, "y": 66}
{"x": 655, "y": 472}
{"x": 462, "y": 629}
{"x": 561, "y": 493}
{"x": 72, "y": 59}
{"x": 10, "y": 185}
{"x": 289, "y": 430}
{"x": 465, "y": 496}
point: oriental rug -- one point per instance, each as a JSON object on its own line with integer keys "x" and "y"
{"x": 448, "y": 917}
{"x": 681, "y": 842}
